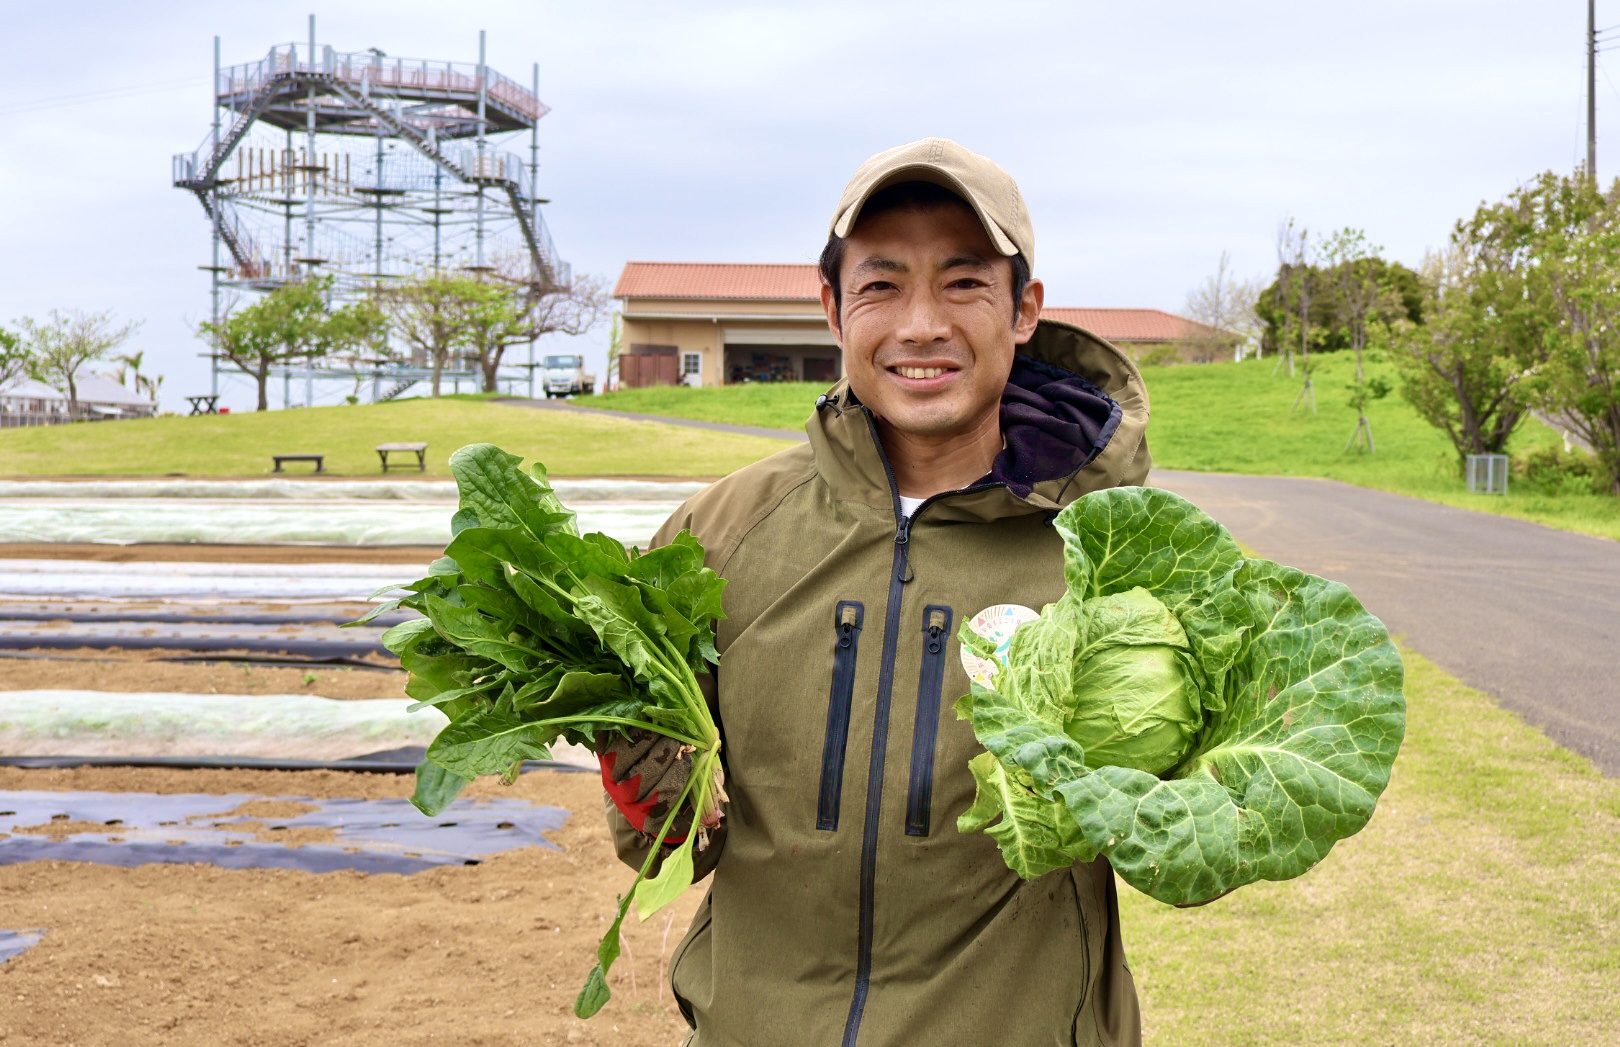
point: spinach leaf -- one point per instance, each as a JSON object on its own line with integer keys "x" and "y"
{"x": 532, "y": 632}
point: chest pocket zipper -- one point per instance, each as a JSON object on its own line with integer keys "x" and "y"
{"x": 920, "y": 797}
{"x": 847, "y": 632}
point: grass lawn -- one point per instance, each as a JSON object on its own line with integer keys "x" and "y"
{"x": 1480, "y": 906}
{"x": 241, "y": 444}
{"x": 773, "y": 405}
{"x": 1236, "y": 418}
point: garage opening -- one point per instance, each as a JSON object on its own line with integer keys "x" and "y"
{"x": 781, "y": 363}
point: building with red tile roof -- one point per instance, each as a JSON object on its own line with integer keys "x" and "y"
{"x": 718, "y": 323}
{"x": 715, "y": 280}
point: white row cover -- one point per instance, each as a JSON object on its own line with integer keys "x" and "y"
{"x": 287, "y": 726}
{"x": 294, "y": 726}
{"x": 570, "y": 491}
{"x": 126, "y": 521}
{"x": 151, "y": 580}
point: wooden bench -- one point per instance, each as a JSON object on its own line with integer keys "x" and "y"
{"x": 420, "y": 450}
{"x": 318, "y": 459}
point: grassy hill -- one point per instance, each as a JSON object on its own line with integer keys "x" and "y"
{"x": 241, "y": 444}
{"x": 771, "y": 405}
{"x": 1239, "y": 418}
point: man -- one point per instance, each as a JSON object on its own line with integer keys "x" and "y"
{"x": 845, "y": 907}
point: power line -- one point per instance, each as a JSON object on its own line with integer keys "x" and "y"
{"x": 1602, "y": 69}
{"x": 108, "y": 94}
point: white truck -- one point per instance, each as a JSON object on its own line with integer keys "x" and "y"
{"x": 565, "y": 376}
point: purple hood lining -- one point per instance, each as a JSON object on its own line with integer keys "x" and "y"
{"x": 1053, "y": 422}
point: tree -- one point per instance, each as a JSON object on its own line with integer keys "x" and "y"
{"x": 129, "y": 371}
{"x": 15, "y": 359}
{"x": 1523, "y": 314}
{"x": 67, "y": 341}
{"x": 1278, "y": 305}
{"x": 1577, "y": 278}
{"x": 149, "y": 386}
{"x": 610, "y": 381}
{"x": 1483, "y": 333}
{"x": 430, "y": 315}
{"x": 1456, "y": 368}
{"x": 1363, "y": 301}
{"x": 244, "y": 339}
{"x": 1225, "y": 306}
{"x": 504, "y": 312}
{"x": 357, "y": 335}
{"x": 1295, "y": 278}
{"x": 293, "y": 322}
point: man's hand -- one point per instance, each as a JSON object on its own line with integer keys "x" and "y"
{"x": 644, "y": 774}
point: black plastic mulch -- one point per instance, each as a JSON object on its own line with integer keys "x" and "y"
{"x": 373, "y": 836}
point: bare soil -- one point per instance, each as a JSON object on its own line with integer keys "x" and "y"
{"x": 103, "y": 670}
{"x": 491, "y": 954}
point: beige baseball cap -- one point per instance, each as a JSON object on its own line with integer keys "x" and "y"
{"x": 989, "y": 190}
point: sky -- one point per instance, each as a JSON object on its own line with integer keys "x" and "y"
{"x": 1146, "y": 138}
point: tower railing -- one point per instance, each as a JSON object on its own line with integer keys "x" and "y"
{"x": 405, "y": 76}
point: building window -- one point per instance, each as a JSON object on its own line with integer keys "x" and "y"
{"x": 691, "y": 368}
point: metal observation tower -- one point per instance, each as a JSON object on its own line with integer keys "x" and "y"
{"x": 368, "y": 168}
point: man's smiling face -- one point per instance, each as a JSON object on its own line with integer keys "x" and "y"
{"x": 929, "y": 326}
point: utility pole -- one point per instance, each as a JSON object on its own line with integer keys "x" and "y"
{"x": 1591, "y": 90}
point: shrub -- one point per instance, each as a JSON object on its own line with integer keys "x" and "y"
{"x": 1553, "y": 470}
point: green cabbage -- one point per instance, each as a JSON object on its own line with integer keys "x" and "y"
{"x": 1200, "y": 718}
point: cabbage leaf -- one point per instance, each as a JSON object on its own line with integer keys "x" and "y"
{"x": 1299, "y": 710}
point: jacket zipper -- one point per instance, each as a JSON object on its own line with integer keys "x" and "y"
{"x": 899, "y": 575}
{"x": 847, "y": 622}
{"x": 919, "y": 800}
{"x": 880, "y": 740}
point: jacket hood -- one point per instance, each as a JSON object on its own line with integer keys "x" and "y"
{"x": 1073, "y": 417}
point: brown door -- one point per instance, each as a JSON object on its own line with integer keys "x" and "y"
{"x": 645, "y": 365}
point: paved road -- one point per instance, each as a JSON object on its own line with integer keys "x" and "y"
{"x": 1523, "y": 612}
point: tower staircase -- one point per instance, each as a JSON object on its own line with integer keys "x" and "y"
{"x": 430, "y": 106}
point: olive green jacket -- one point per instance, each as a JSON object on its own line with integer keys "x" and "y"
{"x": 845, "y": 908}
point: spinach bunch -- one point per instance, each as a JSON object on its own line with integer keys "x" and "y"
{"x": 533, "y": 632}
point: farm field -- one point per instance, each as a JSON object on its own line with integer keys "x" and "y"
{"x": 199, "y": 955}
{"x": 240, "y": 445}
{"x": 1481, "y": 906}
